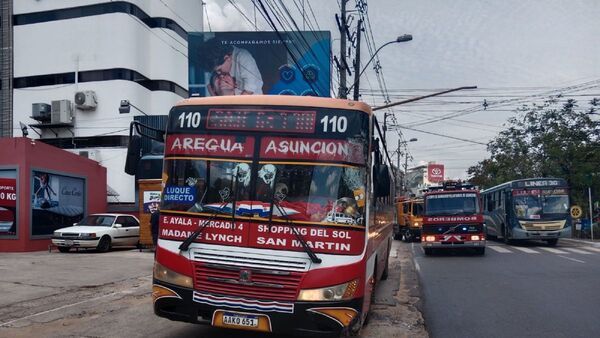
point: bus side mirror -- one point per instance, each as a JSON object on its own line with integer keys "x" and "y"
{"x": 133, "y": 154}
{"x": 382, "y": 181}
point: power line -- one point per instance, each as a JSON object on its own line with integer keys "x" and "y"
{"x": 207, "y": 18}
{"x": 442, "y": 135}
{"x": 174, "y": 12}
{"x": 267, "y": 16}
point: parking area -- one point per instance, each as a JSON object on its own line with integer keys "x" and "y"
{"x": 87, "y": 293}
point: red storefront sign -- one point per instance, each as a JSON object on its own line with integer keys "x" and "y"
{"x": 278, "y": 236}
{"x": 311, "y": 149}
{"x": 435, "y": 172}
{"x": 8, "y": 192}
{"x": 210, "y": 145}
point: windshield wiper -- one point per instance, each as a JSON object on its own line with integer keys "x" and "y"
{"x": 275, "y": 202}
{"x": 451, "y": 229}
{"x": 288, "y": 222}
{"x": 188, "y": 241}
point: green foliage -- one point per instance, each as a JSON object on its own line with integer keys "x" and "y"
{"x": 552, "y": 139}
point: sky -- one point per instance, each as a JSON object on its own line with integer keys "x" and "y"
{"x": 515, "y": 51}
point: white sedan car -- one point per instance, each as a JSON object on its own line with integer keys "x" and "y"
{"x": 100, "y": 231}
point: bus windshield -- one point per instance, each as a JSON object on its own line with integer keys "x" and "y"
{"x": 535, "y": 204}
{"x": 316, "y": 193}
{"x": 418, "y": 209}
{"x": 452, "y": 204}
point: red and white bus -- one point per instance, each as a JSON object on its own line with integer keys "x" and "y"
{"x": 276, "y": 214}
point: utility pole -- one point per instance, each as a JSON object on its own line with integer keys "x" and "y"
{"x": 357, "y": 71}
{"x": 343, "y": 91}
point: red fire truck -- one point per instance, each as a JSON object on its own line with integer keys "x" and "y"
{"x": 453, "y": 218}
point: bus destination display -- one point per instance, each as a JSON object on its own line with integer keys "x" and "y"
{"x": 257, "y": 120}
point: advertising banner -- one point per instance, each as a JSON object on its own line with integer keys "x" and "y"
{"x": 253, "y": 63}
{"x": 277, "y": 236}
{"x": 57, "y": 201}
{"x": 435, "y": 173}
{"x": 8, "y": 206}
{"x": 151, "y": 201}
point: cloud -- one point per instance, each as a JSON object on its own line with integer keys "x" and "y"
{"x": 225, "y": 17}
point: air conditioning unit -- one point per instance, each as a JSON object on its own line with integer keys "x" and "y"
{"x": 86, "y": 100}
{"x": 91, "y": 154}
{"x": 62, "y": 112}
{"x": 40, "y": 112}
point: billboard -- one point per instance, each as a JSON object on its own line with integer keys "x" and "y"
{"x": 57, "y": 201}
{"x": 435, "y": 173}
{"x": 8, "y": 203}
{"x": 247, "y": 63}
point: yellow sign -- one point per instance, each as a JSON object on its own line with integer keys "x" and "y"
{"x": 576, "y": 211}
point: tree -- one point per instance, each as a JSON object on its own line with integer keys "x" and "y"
{"x": 552, "y": 139}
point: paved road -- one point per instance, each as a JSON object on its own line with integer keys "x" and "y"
{"x": 529, "y": 290}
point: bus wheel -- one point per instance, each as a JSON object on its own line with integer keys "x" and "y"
{"x": 428, "y": 251}
{"x": 552, "y": 242}
{"x": 505, "y": 235}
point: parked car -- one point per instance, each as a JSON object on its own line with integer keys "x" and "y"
{"x": 99, "y": 231}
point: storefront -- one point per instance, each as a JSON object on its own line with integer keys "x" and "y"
{"x": 43, "y": 188}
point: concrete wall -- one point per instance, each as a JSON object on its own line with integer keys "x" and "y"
{"x": 35, "y": 155}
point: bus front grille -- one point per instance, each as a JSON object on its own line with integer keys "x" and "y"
{"x": 250, "y": 260}
{"x": 541, "y": 225}
{"x": 246, "y": 282}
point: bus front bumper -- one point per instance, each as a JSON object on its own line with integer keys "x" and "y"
{"x": 299, "y": 318}
{"x": 539, "y": 234}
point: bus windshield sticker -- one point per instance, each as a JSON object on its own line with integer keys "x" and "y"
{"x": 210, "y": 145}
{"x": 312, "y": 149}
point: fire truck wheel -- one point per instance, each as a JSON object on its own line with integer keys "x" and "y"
{"x": 428, "y": 251}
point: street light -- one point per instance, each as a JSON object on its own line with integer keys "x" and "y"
{"x": 125, "y": 107}
{"x": 401, "y": 38}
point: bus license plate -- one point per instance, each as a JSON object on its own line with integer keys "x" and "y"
{"x": 240, "y": 320}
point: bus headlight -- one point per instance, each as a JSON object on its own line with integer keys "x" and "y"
{"x": 330, "y": 293}
{"x": 169, "y": 276}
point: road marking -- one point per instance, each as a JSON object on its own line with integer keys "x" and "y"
{"x": 572, "y": 259}
{"x": 417, "y": 266}
{"x": 527, "y": 250}
{"x": 499, "y": 249}
{"x": 578, "y": 251}
{"x": 591, "y": 248}
{"x": 554, "y": 250}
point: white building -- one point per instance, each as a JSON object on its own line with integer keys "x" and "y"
{"x": 110, "y": 50}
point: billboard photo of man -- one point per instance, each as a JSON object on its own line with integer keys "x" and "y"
{"x": 233, "y": 70}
